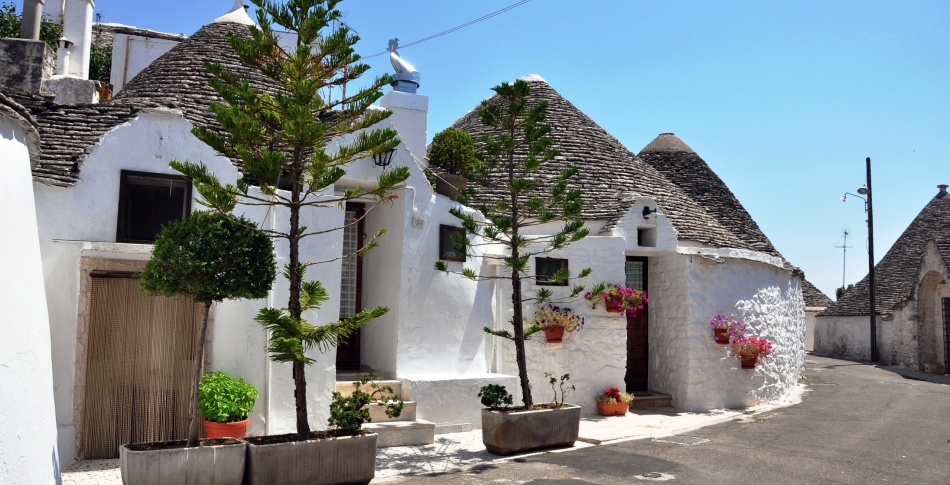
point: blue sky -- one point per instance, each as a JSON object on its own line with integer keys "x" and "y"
{"x": 784, "y": 100}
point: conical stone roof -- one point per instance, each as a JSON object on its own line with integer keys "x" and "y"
{"x": 608, "y": 173}
{"x": 896, "y": 275}
{"x": 681, "y": 165}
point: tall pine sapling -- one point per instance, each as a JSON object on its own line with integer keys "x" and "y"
{"x": 511, "y": 156}
{"x": 281, "y": 140}
{"x": 210, "y": 257}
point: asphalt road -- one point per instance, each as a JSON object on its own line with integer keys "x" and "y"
{"x": 857, "y": 424}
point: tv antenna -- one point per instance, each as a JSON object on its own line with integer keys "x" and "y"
{"x": 844, "y": 250}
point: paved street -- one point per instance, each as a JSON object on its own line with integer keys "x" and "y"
{"x": 857, "y": 424}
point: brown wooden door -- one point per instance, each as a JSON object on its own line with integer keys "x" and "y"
{"x": 348, "y": 352}
{"x": 638, "y": 342}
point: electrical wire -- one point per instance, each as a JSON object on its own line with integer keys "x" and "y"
{"x": 456, "y": 28}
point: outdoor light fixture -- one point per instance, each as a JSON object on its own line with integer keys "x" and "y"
{"x": 383, "y": 159}
{"x": 869, "y": 209}
{"x": 647, "y": 211}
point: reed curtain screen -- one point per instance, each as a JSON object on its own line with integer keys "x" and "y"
{"x": 140, "y": 351}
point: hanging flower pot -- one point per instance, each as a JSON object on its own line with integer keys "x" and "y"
{"x": 613, "y": 306}
{"x": 721, "y": 335}
{"x": 748, "y": 363}
{"x": 554, "y": 333}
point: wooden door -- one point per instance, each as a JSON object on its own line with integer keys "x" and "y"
{"x": 946, "y": 335}
{"x": 348, "y": 352}
{"x": 638, "y": 342}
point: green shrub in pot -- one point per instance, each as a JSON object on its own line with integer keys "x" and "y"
{"x": 225, "y": 399}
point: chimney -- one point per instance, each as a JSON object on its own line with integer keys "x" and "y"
{"x": 32, "y": 14}
{"x": 77, "y": 28}
{"x": 943, "y": 189}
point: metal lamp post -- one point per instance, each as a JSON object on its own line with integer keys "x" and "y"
{"x": 865, "y": 190}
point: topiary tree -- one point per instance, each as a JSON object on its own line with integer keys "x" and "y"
{"x": 210, "y": 257}
{"x": 511, "y": 156}
{"x": 301, "y": 134}
{"x": 453, "y": 151}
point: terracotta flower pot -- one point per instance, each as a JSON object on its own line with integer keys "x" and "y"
{"x": 236, "y": 429}
{"x": 721, "y": 335}
{"x": 613, "y": 306}
{"x": 615, "y": 409}
{"x": 554, "y": 333}
{"x": 748, "y": 362}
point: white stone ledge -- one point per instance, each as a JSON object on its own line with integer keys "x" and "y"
{"x": 732, "y": 253}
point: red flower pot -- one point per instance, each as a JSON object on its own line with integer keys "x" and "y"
{"x": 748, "y": 362}
{"x": 613, "y": 306}
{"x": 236, "y": 429}
{"x": 615, "y": 409}
{"x": 554, "y": 333}
{"x": 721, "y": 335}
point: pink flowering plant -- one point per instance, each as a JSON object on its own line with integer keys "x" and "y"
{"x": 549, "y": 315}
{"x": 751, "y": 347}
{"x": 613, "y": 395}
{"x": 630, "y": 299}
{"x": 735, "y": 328}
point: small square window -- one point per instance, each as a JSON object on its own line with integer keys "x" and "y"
{"x": 546, "y": 268}
{"x": 147, "y": 201}
{"x": 447, "y": 244}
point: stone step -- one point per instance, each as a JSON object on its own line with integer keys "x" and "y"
{"x": 346, "y": 387}
{"x": 651, "y": 400}
{"x": 402, "y": 433}
{"x": 378, "y": 412}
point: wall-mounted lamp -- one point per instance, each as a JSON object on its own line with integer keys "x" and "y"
{"x": 383, "y": 159}
{"x": 647, "y": 211}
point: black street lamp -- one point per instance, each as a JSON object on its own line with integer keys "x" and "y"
{"x": 865, "y": 190}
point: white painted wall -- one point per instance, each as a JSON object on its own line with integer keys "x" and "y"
{"x": 131, "y": 54}
{"x": 848, "y": 337}
{"x": 28, "y": 449}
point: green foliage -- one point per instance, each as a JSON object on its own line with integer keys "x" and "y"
{"x": 11, "y": 22}
{"x": 225, "y": 399}
{"x": 562, "y": 385}
{"x": 348, "y": 413}
{"x": 844, "y": 290}
{"x": 210, "y": 257}
{"x": 452, "y": 151}
{"x": 100, "y": 62}
{"x": 513, "y": 156}
{"x": 292, "y": 142}
{"x": 495, "y": 396}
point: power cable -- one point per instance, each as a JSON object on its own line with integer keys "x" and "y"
{"x": 458, "y": 27}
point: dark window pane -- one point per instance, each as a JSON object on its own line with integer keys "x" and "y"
{"x": 147, "y": 202}
{"x": 545, "y": 269}
{"x": 447, "y": 244}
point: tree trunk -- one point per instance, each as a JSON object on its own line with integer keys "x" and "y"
{"x": 196, "y": 376}
{"x": 296, "y": 282}
{"x": 517, "y": 319}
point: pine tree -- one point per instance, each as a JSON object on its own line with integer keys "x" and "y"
{"x": 283, "y": 137}
{"x": 512, "y": 156}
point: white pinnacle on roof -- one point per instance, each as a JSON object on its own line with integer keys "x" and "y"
{"x": 237, "y": 15}
{"x": 531, "y": 78}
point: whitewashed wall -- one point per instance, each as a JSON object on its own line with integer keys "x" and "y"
{"x": 28, "y": 445}
{"x": 848, "y": 337}
{"x": 132, "y": 53}
{"x": 768, "y": 299}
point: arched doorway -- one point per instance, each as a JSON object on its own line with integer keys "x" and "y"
{"x": 933, "y": 320}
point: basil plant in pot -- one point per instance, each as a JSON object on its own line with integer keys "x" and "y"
{"x": 513, "y": 154}
{"x": 210, "y": 257}
{"x": 225, "y": 402}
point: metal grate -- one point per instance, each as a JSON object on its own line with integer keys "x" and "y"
{"x": 634, "y": 272}
{"x": 350, "y": 264}
{"x": 140, "y": 351}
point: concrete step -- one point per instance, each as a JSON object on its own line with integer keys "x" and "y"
{"x": 378, "y": 412}
{"x": 651, "y": 400}
{"x": 346, "y": 387}
{"x": 402, "y": 433}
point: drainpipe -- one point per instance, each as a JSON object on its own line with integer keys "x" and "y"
{"x": 32, "y": 15}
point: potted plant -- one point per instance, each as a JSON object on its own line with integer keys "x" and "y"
{"x": 292, "y": 136}
{"x": 556, "y": 320}
{"x": 618, "y": 298}
{"x": 211, "y": 257}
{"x": 613, "y": 402}
{"x": 452, "y": 154}
{"x": 225, "y": 402}
{"x": 751, "y": 350}
{"x": 507, "y": 430}
{"x": 509, "y": 159}
{"x": 726, "y": 328}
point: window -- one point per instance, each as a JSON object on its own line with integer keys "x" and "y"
{"x": 646, "y": 237}
{"x": 147, "y": 201}
{"x": 447, "y": 249}
{"x": 546, "y": 268}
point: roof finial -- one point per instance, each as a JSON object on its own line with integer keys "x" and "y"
{"x": 943, "y": 188}
{"x": 407, "y": 77}
{"x": 237, "y": 14}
